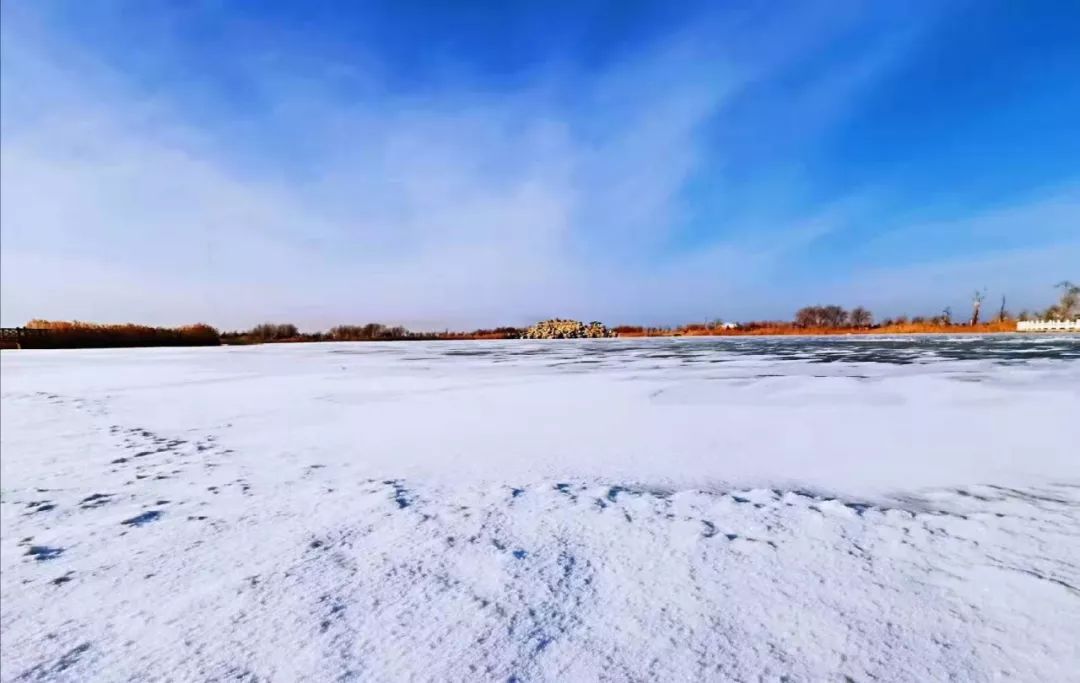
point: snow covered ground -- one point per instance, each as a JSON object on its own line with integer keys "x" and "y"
{"x": 673, "y": 509}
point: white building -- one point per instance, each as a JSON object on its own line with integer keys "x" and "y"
{"x": 1048, "y": 326}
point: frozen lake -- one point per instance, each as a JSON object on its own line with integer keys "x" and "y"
{"x": 660, "y": 509}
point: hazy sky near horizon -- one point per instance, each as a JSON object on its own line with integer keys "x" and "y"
{"x": 477, "y": 163}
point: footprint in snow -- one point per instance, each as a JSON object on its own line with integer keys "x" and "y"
{"x": 143, "y": 518}
{"x": 44, "y": 552}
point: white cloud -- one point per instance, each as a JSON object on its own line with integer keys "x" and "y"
{"x": 463, "y": 210}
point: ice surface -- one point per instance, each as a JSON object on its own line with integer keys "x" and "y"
{"x": 676, "y": 509}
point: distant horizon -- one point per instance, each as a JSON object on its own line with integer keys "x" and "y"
{"x": 959, "y": 316}
{"x": 962, "y": 311}
{"x": 470, "y": 166}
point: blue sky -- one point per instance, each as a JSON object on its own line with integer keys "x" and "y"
{"x": 474, "y": 163}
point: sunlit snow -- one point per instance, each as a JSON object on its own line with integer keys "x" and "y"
{"x": 672, "y": 509}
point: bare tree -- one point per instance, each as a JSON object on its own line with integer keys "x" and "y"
{"x": 946, "y": 315}
{"x": 1068, "y": 306}
{"x": 976, "y": 304}
{"x": 1002, "y": 313}
{"x": 809, "y": 316}
{"x": 835, "y": 316}
{"x": 273, "y": 331}
{"x": 860, "y": 317}
{"x": 821, "y": 316}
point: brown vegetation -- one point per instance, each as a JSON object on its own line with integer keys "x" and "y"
{"x": 54, "y": 334}
{"x": 810, "y": 320}
{"x": 830, "y": 319}
{"x": 287, "y": 332}
{"x": 496, "y": 333}
{"x": 69, "y": 335}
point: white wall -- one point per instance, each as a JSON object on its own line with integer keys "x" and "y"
{"x": 1048, "y": 326}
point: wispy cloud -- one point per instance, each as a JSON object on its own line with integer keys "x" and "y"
{"x": 456, "y": 209}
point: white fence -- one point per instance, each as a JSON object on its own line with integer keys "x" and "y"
{"x": 1048, "y": 326}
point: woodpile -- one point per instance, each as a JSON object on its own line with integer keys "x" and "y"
{"x": 567, "y": 329}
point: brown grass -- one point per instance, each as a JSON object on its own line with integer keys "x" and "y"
{"x": 784, "y": 328}
{"x": 74, "y": 334}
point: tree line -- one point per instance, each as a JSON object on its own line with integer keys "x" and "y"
{"x": 287, "y": 332}
{"x": 836, "y": 317}
{"x": 833, "y": 316}
{"x": 63, "y": 334}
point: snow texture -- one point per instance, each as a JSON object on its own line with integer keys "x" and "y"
{"x": 676, "y": 509}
